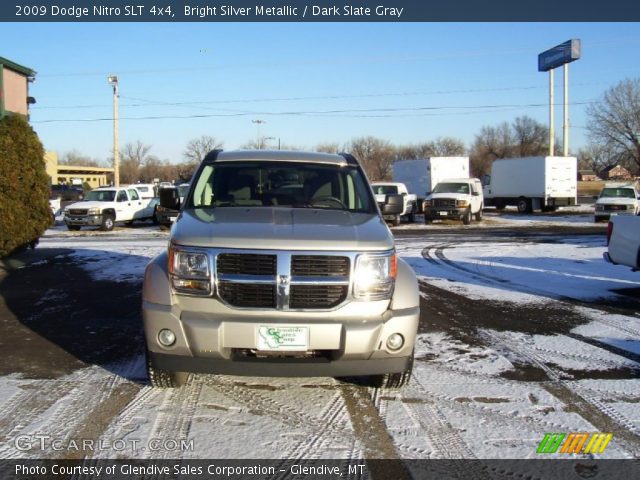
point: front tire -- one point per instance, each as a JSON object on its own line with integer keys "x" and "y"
{"x": 396, "y": 221}
{"x": 467, "y": 217}
{"x": 479, "y": 214}
{"x": 159, "y": 378}
{"x": 393, "y": 380}
{"x": 108, "y": 222}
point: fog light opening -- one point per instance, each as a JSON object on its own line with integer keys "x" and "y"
{"x": 395, "y": 341}
{"x": 166, "y": 337}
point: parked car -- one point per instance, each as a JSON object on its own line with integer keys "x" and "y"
{"x": 623, "y": 240}
{"x": 381, "y": 189}
{"x": 67, "y": 192}
{"x": 614, "y": 200}
{"x": 105, "y": 206}
{"x": 166, "y": 216}
{"x": 272, "y": 279}
{"x": 457, "y": 199}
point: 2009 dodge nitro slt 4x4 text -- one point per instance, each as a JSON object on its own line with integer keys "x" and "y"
{"x": 280, "y": 264}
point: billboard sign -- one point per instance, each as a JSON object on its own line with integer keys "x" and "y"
{"x": 559, "y": 55}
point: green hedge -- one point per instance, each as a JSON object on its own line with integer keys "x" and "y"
{"x": 24, "y": 185}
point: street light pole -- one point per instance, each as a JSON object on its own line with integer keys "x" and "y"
{"x": 113, "y": 81}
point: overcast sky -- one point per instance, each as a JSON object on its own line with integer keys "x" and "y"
{"x": 310, "y": 83}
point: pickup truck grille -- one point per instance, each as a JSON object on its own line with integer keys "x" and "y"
{"x": 444, "y": 202}
{"x": 282, "y": 281}
{"x": 614, "y": 208}
{"x": 78, "y": 211}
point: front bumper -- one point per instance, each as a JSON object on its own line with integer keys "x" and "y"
{"x": 84, "y": 220}
{"x": 340, "y": 343}
{"x": 445, "y": 212}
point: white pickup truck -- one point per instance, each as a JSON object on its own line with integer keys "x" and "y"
{"x": 105, "y": 206}
{"x": 624, "y": 241}
{"x": 382, "y": 189}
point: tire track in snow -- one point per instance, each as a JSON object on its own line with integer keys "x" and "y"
{"x": 293, "y": 415}
{"x": 591, "y": 409}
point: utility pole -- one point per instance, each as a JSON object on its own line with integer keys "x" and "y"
{"x": 113, "y": 81}
{"x": 258, "y": 123}
{"x": 552, "y": 130}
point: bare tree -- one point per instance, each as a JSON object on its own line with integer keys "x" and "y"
{"x": 614, "y": 122}
{"x": 531, "y": 138}
{"x": 522, "y": 138}
{"x": 198, "y": 148}
{"x": 440, "y": 147}
{"x": 375, "y": 155}
{"x": 132, "y": 157}
{"x": 596, "y": 157}
{"x": 73, "y": 157}
{"x": 328, "y": 147}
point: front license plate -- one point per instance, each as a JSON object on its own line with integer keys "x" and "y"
{"x": 444, "y": 214}
{"x": 274, "y": 338}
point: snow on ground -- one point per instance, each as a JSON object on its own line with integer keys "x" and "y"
{"x": 459, "y": 404}
{"x": 521, "y": 272}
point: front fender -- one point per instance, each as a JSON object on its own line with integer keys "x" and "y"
{"x": 406, "y": 294}
{"x": 156, "y": 287}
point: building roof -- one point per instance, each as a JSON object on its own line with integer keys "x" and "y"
{"x": 16, "y": 67}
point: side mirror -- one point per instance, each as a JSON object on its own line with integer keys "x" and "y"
{"x": 393, "y": 205}
{"x": 169, "y": 198}
{"x": 595, "y": 197}
{"x": 475, "y": 194}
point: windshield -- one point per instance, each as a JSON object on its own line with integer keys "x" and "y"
{"x": 385, "y": 189}
{"x": 617, "y": 192}
{"x": 281, "y": 184}
{"x": 451, "y": 188}
{"x": 101, "y": 196}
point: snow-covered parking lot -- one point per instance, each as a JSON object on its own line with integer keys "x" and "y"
{"x": 524, "y": 330}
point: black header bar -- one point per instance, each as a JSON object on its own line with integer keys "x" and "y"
{"x": 319, "y": 11}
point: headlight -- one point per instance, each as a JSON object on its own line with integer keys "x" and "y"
{"x": 375, "y": 276}
{"x": 189, "y": 271}
{"x": 426, "y": 203}
{"x": 93, "y": 211}
{"x": 462, "y": 203}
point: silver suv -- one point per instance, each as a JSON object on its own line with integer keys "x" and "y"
{"x": 280, "y": 264}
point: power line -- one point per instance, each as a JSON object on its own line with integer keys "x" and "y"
{"x": 302, "y": 98}
{"x": 342, "y": 112}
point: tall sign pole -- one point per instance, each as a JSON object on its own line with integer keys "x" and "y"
{"x": 552, "y": 130}
{"x": 565, "y": 113}
{"x": 562, "y": 54}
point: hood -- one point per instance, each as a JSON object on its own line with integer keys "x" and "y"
{"x": 455, "y": 196}
{"x": 616, "y": 201}
{"x": 281, "y": 228}
{"x": 85, "y": 205}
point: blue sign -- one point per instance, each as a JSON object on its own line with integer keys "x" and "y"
{"x": 559, "y": 55}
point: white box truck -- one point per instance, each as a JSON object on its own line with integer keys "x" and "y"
{"x": 532, "y": 183}
{"x": 422, "y": 175}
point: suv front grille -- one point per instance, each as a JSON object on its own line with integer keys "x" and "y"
{"x": 282, "y": 281}
{"x": 317, "y": 296}
{"x": 246, "y": 264}
{"x": 319, "y": 266}
{"x": 247, "y": 295}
